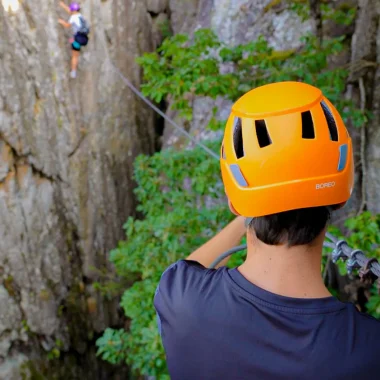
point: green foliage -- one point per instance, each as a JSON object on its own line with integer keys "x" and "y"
{"x": 165, "y": 28}
{"x": 300, "y": 7}
{"x": 341, "y": 14}
{"x": 112, "y": 345}
{"x": 183, "y": 68}
{"x": 365, "y": 235}
{"x": 373, "y": 305}
{"x": 176, "y": 221}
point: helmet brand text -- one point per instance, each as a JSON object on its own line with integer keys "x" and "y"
{"x": 319, "y": 186}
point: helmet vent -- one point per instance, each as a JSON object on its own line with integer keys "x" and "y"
{"x": 262, "y": 133}
{"x": 238, "y": 138}
{"x": 330, "y": 122}
{"x": 307, "y": 125}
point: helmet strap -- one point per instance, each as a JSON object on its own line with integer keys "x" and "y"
{"x": 247, "y": 221}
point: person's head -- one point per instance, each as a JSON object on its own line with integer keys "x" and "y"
{"x": 74, "y": 7}
{"x": 286, "y": 162}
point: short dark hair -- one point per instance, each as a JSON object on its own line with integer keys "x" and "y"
{"x": 295, "y": 227}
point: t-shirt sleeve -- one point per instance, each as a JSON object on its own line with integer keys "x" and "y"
{"x": 179, "y": 281}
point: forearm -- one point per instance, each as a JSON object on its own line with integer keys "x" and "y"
{"x": 64, "y": 23}
{"x": 65, "y": 7}
{"x": 226, "y": 239}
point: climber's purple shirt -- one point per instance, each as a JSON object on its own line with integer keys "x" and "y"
{"x": 216, "y": 325}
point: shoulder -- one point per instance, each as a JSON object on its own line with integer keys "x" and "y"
{"x": 367, "y": 328}
{"x": 186, "y": 275}
{"x": 75, "y": 17}
{"x": 185, "y": 279}
{"x": 368, "y": 321}
{"x": 188, "y": 272}
{"x": 185, "y": 266}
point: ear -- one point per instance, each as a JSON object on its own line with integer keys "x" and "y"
{"x": 232, "y": 208}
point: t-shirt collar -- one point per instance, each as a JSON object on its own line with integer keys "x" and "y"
{"x": 299, "y": 305}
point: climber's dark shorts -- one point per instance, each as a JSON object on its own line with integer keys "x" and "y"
{"x": 78, "y": 41}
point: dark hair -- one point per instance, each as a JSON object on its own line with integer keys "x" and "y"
{"x": 295, "y": 227}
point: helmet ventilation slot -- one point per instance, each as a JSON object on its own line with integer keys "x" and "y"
{"x": 330, "y": 122}
{"x": 307, "y": 125}
{"x": 262, "y": 133}
{"x": 238, "y": 138}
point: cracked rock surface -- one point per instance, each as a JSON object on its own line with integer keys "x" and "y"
{"x": 66, "y": 153}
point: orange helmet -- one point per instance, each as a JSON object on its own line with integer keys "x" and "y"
{"x": 285, "y": 147}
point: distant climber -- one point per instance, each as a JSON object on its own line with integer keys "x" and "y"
{"x": 80, "y": 30}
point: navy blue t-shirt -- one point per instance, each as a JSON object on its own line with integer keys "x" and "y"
{"x": 217, "y": 325}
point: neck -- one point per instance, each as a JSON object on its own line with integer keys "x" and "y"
{"x": 292, "y": 272}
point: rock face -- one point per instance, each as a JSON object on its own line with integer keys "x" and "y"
{"x": 66, "y": 149}
{"x": 157, "y": 6}
{"x": 183, "y": 14}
